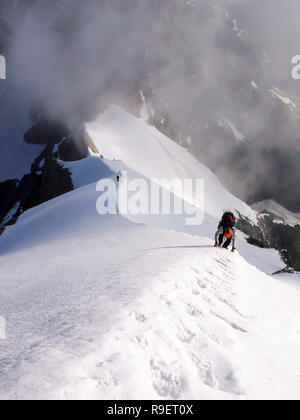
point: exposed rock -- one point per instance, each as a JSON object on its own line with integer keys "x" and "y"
{"x": 287, "y": 270}
{"x": 190, "y": 96}
{"x": 46, "y": 132}
{"x": 47, "y": 178}
{"x": 9, "y": 197}
{"x": 73, "y": 149}
{"x": 270, "y": 234}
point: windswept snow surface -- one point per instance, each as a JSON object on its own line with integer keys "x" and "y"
{"x": 104, "y": 307}
{"x": 141, "y": 147}
{"x": 101, "y": 307}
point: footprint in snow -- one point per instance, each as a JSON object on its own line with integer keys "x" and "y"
{"x": 193, "y": 311}
{"x": 201, "y": 283}
{"x": 218, "y": 374}
{"x": 227, "y": 379}
{"x": 166, "y": 381}
{"x": 141, "y": 318}
{"x": 230, "y": 323}
{"x": 205, "y": 370}
{"x": 185, "y": 335}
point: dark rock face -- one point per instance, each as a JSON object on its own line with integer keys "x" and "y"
{"x": 285, "y": 239}
{"x": 224, "y": 72}
{"x": 72, "y": 149}
{"x": 50, "y": 133}
{"x": 9, "y": 197}
{"x": 269, "y": 234}
{"x": 45, "y": 132}
{"x": 47, "y": 178}
{"x": 45, "y": 183}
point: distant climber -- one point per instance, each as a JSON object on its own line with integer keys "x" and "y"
{"x": 119, "y": 176}
{"x": 226, "y": 230}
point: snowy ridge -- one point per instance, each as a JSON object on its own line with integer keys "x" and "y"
{"x": 279, "y": 94}
{"x": 283, "y": 215}
{"x": 146, "y": 308}
{"x": 105, "y": 294}
{"x": 191, "y": 337}
{"x": 141, "y": 147}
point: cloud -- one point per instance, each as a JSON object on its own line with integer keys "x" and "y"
{"x": 63, "y": 54}
{"x": 72, "y": 57}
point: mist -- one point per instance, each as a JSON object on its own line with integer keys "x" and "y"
{"x": 273, "y": 169}
{"x": 71, "y": 58}
{"x": 278, "y": 26}
{"x": 63, "y": 57}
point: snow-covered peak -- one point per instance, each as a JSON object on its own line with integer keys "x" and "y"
{"x": 120, "y": 136}
{"x": 282, "y": 214}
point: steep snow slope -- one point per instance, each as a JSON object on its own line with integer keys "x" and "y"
{"x": 121, "y": 136}
{"x": 129, "y": 144}
{"x": 100, "y": 307}
{"x": 283, "y": 215}
{"x": 93, "y": 168}
{"x": 107, "y": 307}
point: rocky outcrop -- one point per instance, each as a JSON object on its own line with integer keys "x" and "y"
{"x": 9, "y": 198}
{"x": 268, "y": 233}
{"x": 46, "y": 132}
{"x": 47, "y": 178}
